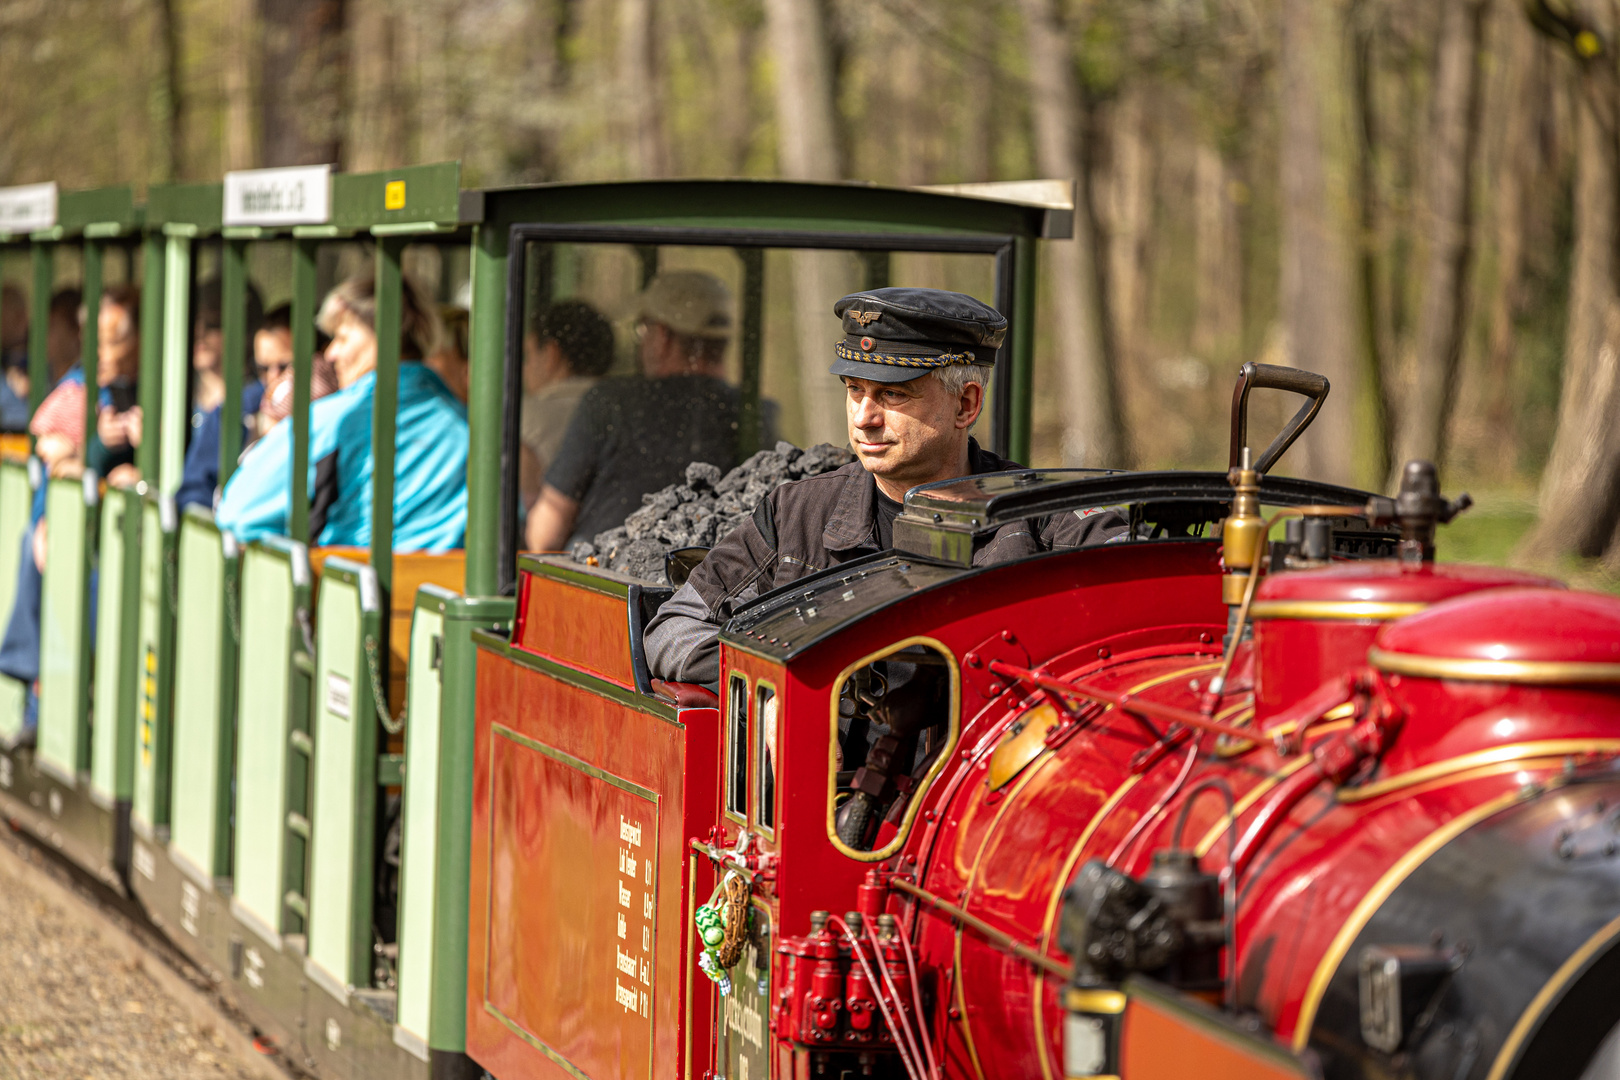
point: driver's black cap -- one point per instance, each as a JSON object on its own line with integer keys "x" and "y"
{"x": 896, "y": 335}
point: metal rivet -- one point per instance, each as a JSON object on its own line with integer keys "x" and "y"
{"x": 1008, "y": 636}
{"x": 1104, "y": 653}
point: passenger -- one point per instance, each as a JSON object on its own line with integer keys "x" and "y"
{"x": 906, "y": 429}
{"x": 58, "y": 425}
{"x": 273, "y": 358}
{"x": 118, "y": 368}
{"x": 430, "y": 463}
{"x": 449, "y": 360}
{"x": 13, "y": 359}
{"x": 200, "y": 476}
{"x": 565, "y": 353}
{"x": 634, "y": 435}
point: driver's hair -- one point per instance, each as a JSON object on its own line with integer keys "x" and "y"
{"x": 955, "y": 377}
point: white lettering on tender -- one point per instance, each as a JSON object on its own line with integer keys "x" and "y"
{"x": 742, "y": 1018}
{"x": 624, "y": 896}
{"x": 627, "y": 863}
{"x": 646, "y": 905}
{"x": 630, "y": 834}
{"x": 626, "y": 962}
{"x": 625, "y": 996}
{"x": 623, "y": 928}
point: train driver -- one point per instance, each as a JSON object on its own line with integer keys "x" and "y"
{"x": 914, "y": 363}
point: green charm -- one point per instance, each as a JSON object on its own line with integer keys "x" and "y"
{"x": 711, "y": 925}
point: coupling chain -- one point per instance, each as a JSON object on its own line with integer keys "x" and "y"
{"x": 379, "y": 697}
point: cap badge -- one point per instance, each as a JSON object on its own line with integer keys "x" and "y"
{"x": 862, "y": 318}
{"x": 866, "y": 344}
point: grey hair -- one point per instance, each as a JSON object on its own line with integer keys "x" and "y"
{"x": 955, "y": 377}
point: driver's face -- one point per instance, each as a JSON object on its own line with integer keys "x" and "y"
{"x": 907, "y": 432}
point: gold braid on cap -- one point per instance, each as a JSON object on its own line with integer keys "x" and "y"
{"x": 942, "y": 360}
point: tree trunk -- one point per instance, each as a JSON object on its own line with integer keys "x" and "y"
{"x": 1453, "y": 139}
{"x": 239, "y": 145}
{"x": 1580, "y": 490}
{"x": 1218, "y": 324}
{"x": 1087, "y": 374}
{"x": 376, "y": 122}
{"x": 808, "y": 149}
{"x": 301, "y": 66}
{"x": 168, "y": 98}
{"x": 642, "y": 136}
{"x": 1317, "y": 302}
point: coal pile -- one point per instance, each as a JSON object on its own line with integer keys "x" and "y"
{"x": 701, "y": 511}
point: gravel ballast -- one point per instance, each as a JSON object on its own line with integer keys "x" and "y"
{"x": 702, "y": 510}
{"x": 76, "y": 1002}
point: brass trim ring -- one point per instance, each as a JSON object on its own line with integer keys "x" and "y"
{"x": 1540, "y": 672}
{"x": 1355, "y": 610}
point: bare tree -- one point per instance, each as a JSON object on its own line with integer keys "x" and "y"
{"x": 1580, "y": 490}
{"x": 239, "y": 145}
{"x": 377, "y": 106}
{"x": 1448, "y": 206}
{"x": 168, "y": 96}
{"x": 642, "y": 136}
{"x": 808, "y": 149}
{"x": 301, "y": 66}
{"x": 1317, "y": 286}
{"x": 1088, "y": 381}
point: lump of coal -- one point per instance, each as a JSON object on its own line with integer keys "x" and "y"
{"x": 700, "y": 512}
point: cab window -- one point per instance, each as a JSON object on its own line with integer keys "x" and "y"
{"x": 765, "y": 757}
{"x": 894, "y": 722}
{"x": 737, "y": 747}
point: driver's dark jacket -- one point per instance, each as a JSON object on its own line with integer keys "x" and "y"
{"x": 807, "y": 526}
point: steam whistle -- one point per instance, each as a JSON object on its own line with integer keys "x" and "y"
{"x": 1418, "y": 508}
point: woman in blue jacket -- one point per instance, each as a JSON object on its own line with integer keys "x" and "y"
{"x": 430, "y": 457}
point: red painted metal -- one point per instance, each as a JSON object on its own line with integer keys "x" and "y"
{"x": 1343, "y": 773}
{"x": 1302, "y": 652}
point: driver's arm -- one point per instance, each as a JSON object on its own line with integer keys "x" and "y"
{"x": 683, "y": 640}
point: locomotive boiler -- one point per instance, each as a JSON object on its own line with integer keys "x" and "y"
{"x": 1216, "y": 799}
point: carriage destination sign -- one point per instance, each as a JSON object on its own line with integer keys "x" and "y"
{"x": 295, "y": 196}
{"x": 29, "y": 208}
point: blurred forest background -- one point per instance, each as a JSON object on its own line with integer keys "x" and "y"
{"x": 1420, "y": 200}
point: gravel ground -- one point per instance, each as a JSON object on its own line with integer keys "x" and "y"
{"x": 73, "y": 1003}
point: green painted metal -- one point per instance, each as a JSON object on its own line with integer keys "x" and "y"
{"x": 90, "y": 334}
{"x": 78, "y": 210}
{"x": 43, "y": 260}
{"x": 233, "y": 346}
{"x": 154, "y": 645}
{"x": 112, "y": 755}
{"x": 420, "y": 193}
{"x": 753, "y": 349}
{"x": 485, "y": 407}
{"x": 1022, "y": 382}
{"x": 170, "y": 431}
{"x": 384, "y": 417}
{"x": 419, "y": 854}
{"x": 763, "y": 204}
{"x": 343, "y": 810}
{"x": 274, "y": 589}
{"x": 303, "y": 328}
{"x": 64, "y": 743}
{"x": 15, "y": 497}
{"x": 204, "y": 697}
{"x": 437, "y": 829}
{"x": 201, "y": 206}
{"x": 154, "y": 249}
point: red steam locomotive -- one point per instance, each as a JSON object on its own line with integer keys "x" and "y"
{"x": 1204, "y": 802}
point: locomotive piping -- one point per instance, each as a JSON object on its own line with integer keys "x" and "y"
{"x": 1380, "y": 891}
{"x": 1358, "y": 610}
{"x": 1004, "y": 941}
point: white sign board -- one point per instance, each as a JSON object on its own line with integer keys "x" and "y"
{"x": 29, "y": 208}
{"x": 295, "y": 196}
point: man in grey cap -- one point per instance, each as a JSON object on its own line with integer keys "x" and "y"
{"x": 633, "y": 435}
{"x": 914, "y": 363}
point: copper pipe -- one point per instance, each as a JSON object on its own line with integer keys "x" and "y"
{"x": 1126, "y": 703}
{"x": 995, "y": 937}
